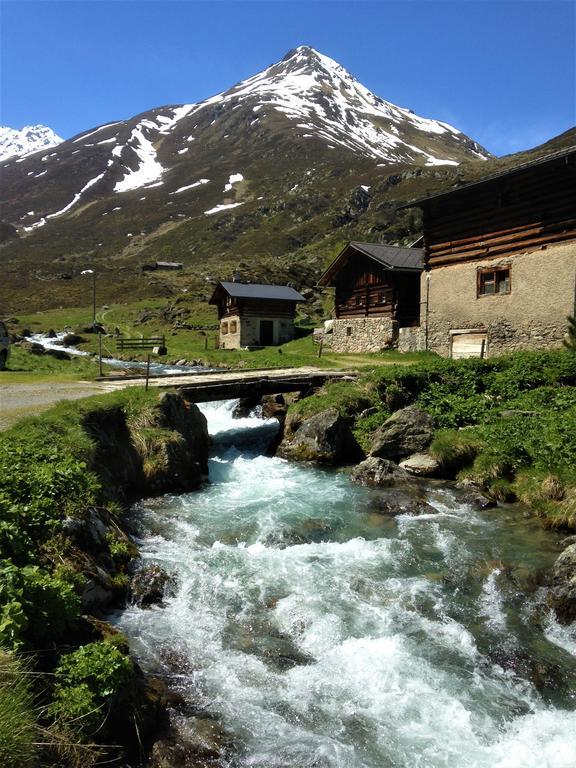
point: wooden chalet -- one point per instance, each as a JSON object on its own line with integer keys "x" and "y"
{"x": 500, "y": 260}
{"x": 255, "y": 315}
{"x": 377, "y": 291}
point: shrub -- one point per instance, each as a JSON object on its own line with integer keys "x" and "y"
{"x": 36, "y": 607}
{"x": 89, "y": 682}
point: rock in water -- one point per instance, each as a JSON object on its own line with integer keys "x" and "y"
{"x": 325, "y": 438}
{"x": 406, "y": 432}
{"x": 375, "y": 471}
{"x": 563, "y": 593}
{"x": 149, "y": 585}
{"x": 421, "y": 465}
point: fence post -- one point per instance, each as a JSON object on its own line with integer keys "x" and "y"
{"x": 147, "y": 371}
{"x": 320, "y": 348}
{"x": 100, "y": 353}
{"x": 205, "y": 342}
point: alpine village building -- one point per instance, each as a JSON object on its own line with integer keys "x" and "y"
{"x": 254, "y": 315}
{"x": 377, "y": 296}
{"x": 500, "y": 261}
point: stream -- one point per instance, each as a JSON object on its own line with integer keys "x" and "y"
{"x": 325, "y": 634}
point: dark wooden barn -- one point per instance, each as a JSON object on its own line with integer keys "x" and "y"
{"x": 255, "y": 315}
{"x": 373, "y": 282}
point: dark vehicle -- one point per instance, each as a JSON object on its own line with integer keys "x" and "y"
{"x": 4, "y": 346}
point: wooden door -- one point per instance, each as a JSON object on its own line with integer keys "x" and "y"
{"x": 469, "y": 345}
{"x": 266, "y": 333}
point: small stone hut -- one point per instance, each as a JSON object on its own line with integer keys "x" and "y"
{"x": 377, "y": 295}
{"x": 255, "y": 315}
{"x": 500, "y": 260}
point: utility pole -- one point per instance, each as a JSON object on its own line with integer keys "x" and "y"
{"x": 93, "y": 273}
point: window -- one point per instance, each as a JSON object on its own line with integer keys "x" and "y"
{"x": 348, "y": 331}
{"x": 224, "y": 329}
{"x": 493, "y": 281}
{"x": 233, "y": 326}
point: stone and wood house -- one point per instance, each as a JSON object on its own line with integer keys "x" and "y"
{"x": 500, "y": 260}
{"x": 377, "y": 295}
{"x": 253, "y": 315}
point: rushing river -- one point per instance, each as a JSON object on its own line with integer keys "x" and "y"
{"x": 325, "y": 634}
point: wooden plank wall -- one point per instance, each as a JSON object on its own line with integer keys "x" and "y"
{"x": 257, "y": 308}
{"x": 503, "y": 217}
{"x": 362, "y": 284}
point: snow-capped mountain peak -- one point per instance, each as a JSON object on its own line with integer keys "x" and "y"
{"x": 325, "y": 101}
{"x": 31, "y": 138}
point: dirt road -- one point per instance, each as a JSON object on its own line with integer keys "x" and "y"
{"x": 19, "y": 400}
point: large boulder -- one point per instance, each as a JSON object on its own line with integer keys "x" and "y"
{"x": 406, "y": 432}
{"x": 563, "y": 592}
{"x": 421, "y": 465}
{"x": 177, "y": 459}
{"x": 374, "y": 471}
{"x": 325, "y": 438}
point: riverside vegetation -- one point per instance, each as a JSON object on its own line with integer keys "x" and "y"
{"x": 506, "y": 424}
{"x": 66, "y": 678}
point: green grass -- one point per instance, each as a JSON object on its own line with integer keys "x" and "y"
{"x": 18, "y": 728}
{"x": 25, "y": 367}
{"x": 199, "y": 345}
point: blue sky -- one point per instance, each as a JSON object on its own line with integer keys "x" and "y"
{"x": 502, "y": 72}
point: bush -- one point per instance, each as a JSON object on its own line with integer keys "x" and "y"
{"x": 36, "y": 607}
{"x": 89, "y": 683}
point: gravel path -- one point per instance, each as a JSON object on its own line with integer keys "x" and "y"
{"x": 18, "y": 400}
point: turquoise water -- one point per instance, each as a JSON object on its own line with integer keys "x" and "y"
{"x": 325, "y": 634}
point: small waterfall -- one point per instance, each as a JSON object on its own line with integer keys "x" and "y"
{"x": 325, "y": 634}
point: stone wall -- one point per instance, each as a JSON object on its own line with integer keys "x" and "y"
{"x": 532, "y": 316}
{"x": 229, "y": 340}
{"x": 364, "y": 334}
{"x": 410, "y": 339}
{"x": 247, "y": 333}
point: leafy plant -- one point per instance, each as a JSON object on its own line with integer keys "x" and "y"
{"x": 89, "y": 682}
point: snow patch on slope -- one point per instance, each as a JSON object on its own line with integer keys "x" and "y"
{"x": 219, "y": 208}
{"x": 234, "y": 178}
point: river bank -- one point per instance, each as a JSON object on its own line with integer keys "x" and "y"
{"x": 320, "y": 623}
{"x": 301, "y": 612}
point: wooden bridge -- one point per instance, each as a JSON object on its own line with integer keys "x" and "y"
{"x": 255, "y": 384}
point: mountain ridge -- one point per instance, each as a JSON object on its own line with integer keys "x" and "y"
{"x": 27, "y": 140}
{"x": 273, "y": 174}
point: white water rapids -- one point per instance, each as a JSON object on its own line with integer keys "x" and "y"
{"x": 324, "y": 634}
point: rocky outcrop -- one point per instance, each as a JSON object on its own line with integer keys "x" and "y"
{"x": 406, "y": 432}
{"x": 421, "y": 465}
{"x": 563, "y": 593}
{"x": 149, "y": 585}
{"x": 325, "y": 438}
{"x": 374, "y": 471}
{"x": 164, "y": 448}
{"x": 194, "y": 742}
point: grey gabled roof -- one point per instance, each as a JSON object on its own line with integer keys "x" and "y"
{"x": 544, "y": 160}
{"x": 391, "y": 257}
{"x": 258, "y": 291}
